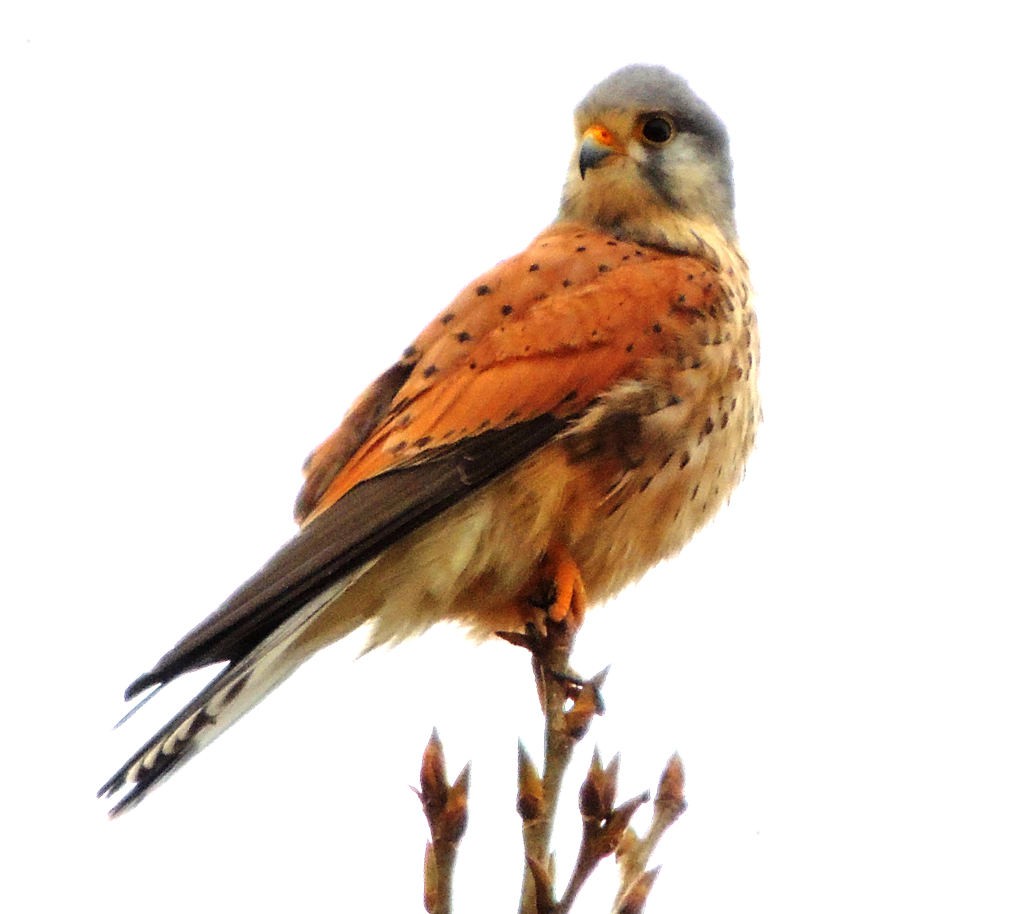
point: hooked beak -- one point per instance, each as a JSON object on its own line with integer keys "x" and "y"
{"x": 598, "y": 143}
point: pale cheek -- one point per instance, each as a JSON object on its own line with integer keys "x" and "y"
{"x": 638, "y": 152}
{"x": 691, "y": 179}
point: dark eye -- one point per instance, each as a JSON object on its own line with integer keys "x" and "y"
{"x": 657, "y": 130}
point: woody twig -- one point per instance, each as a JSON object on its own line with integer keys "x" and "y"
{"x": 538, "y": 793}
{"x": 633, "y": 852}
{"x": 569, "y": 704}
{"x": 606, "y": 826}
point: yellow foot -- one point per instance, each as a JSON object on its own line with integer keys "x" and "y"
{"x": 570, "y": 596}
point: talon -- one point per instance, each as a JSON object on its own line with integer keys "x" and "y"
{"x": 545, "y": 596}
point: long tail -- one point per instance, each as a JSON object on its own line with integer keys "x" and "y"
{"x": 234, "y": 691}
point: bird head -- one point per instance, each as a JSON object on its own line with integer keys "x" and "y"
{"x": 651, "y": 160}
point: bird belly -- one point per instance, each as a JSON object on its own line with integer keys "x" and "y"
{"x": 630, "y": 511}
{"x": 616, "y": 514}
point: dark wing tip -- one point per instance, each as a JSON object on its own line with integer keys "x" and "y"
{"x": 114, "y": 785}
{"x": 110, "y": 786}
{"x": 141, "y": 684}
{"x": 147, "y": 780}
{"x": 163, "y": 753}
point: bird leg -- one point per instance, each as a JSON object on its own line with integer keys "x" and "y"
{"x": 553, "y": 607}
{"x": 554, "y": 594}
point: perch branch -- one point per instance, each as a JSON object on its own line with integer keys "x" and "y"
{"x": 569, "y": 705}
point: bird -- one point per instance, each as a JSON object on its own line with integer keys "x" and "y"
{"x": 569, "y": 420}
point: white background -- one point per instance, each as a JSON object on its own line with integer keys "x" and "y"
{"x": 219, "y": 221}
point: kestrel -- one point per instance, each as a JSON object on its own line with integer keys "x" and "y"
{"x": 570, "y": 419}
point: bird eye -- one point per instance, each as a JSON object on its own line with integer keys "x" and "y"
{"x": 657, "y": 130}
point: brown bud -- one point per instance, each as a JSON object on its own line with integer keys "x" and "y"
{"x": 433, "y": 778}
{"x": 618, "y": 822}
{"x": 669, "y": 801}
{"x": 597, "y": 795}
{"x": 598, "y": 683}
{"x": 586, "y": 703}
{"x": 611, "y": 784}
{"x": 579, "y": 717}
{"x": 590, "y": 791}
{"x": 635, "y": 899}
{"x": 530, "y": 799}
{"x": 452, "y": 823}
